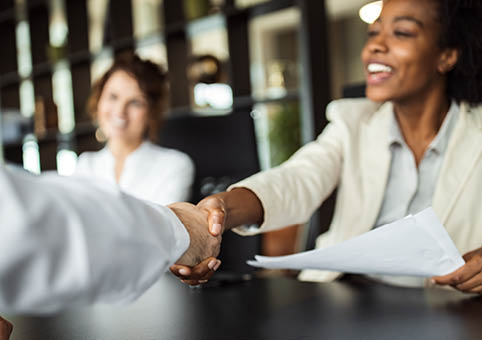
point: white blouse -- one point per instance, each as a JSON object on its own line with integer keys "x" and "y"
{"x": 410, "y": 189}
{"x": 150, "y": 173}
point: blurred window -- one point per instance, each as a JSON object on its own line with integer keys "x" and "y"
{"x": 248, "y": 3}
{"x": 274, "y": 53}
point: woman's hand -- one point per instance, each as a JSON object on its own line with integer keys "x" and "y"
{"x": 467, "y": 278}
{"x": 5, "y": 329}
{"x": 216, "y": 210}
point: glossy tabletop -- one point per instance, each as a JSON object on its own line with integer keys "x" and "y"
{"x": 269, "y": 308}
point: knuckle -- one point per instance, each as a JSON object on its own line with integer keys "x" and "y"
{"x": 477, "y": 260}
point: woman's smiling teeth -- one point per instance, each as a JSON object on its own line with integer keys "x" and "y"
{"x": 377, "y": 68}
{"x": 118, "y": 122}
{"x": 378, "y": 73}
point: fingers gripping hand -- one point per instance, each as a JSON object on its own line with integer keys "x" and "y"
{"x": 198, "y": 274}
{"x": 216, "y": 211}
{"x": 200, "y": 270}
{"x": 467, "y": 278}
{"x": 202, "y": 244}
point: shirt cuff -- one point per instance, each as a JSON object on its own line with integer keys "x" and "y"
{"x": 181, "y": 237}
{"x": 177, "y": 232}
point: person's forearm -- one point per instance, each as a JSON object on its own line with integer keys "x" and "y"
{"x": 112, "y": 246}
{"x": 242, "y": 207}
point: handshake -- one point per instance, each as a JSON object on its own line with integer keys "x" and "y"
{"x": 205, "y": 224}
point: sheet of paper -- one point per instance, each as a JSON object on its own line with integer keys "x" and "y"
{"x": 414, "y": 246}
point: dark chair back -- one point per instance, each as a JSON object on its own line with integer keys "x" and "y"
{"x": 224, "y": 151}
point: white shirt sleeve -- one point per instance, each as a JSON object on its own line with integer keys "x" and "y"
{"x": 77, "y": 241}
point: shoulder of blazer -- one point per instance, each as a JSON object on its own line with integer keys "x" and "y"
{"x": 352, "y": 112}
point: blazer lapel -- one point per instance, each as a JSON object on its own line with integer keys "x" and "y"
{"x": 375, "y": 162}
{"x": 463, "y": 152}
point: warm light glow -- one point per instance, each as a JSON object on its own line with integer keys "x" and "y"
{"x": 31, "y": 156}
{"x": 63, "y": 96}
{"x": 371, "y": 11}
{"x": 217, "y": 96}
{"x": 24, "y": 56}
{"x": 66, "y": 162}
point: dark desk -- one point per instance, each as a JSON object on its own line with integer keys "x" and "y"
{"x": 275, "y": 308}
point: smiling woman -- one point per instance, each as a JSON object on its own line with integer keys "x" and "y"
{"x": 406, "y": 65}
{"x": 415, "y": 142}
{"x": 128, "y": 104}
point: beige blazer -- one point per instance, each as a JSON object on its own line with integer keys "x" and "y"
{"x": 352, "y": 153}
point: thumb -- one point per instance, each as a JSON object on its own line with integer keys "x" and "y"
{"x": 216, "y": 221}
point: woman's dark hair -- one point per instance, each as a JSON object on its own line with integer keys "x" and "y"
{"x": 461, "y": 28}
{"x": 151, "y": 79}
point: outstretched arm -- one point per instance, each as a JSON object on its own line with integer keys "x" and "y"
{"x": 70, "y": 241}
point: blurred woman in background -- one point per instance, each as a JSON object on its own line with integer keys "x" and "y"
{"x": 128, "y": 103}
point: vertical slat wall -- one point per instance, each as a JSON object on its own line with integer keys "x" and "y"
{"x": 9, "y": 92}
{"x": 6, "y": 5}
{"x": 177, "y": 53}
{"x": 38, "y": 17}
{"x": 119, "y": 29}
{"x": 314, "y": 90}
{"x": 238, "y": 247}
{"x": 77, "y": 49}
{"x": 315, "y": 93}
{"x": 238, "y": 44}
{"x": 315, "y": 85}
{"x": 9, "y": 87}
{"x": 7, "y": 41}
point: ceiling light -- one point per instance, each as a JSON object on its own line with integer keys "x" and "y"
{"x": 371, "y": 11}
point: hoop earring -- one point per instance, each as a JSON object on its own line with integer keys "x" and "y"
{"x": 100, "y": 136}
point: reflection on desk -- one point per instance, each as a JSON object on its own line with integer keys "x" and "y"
{"x": 269, "y": 308}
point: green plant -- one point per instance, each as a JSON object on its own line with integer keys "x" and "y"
{"x": 284, "y": 131}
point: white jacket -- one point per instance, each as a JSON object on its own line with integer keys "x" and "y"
{"x": 72, "y": 241}
{"x": 353, "y": 154}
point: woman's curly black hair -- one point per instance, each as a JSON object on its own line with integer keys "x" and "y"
{"x": 461, "y": 28}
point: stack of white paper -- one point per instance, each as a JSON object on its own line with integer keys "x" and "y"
{"x": 413, "y": 246}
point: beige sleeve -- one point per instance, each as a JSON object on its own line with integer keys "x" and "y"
{"x": 291, "y": 192}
